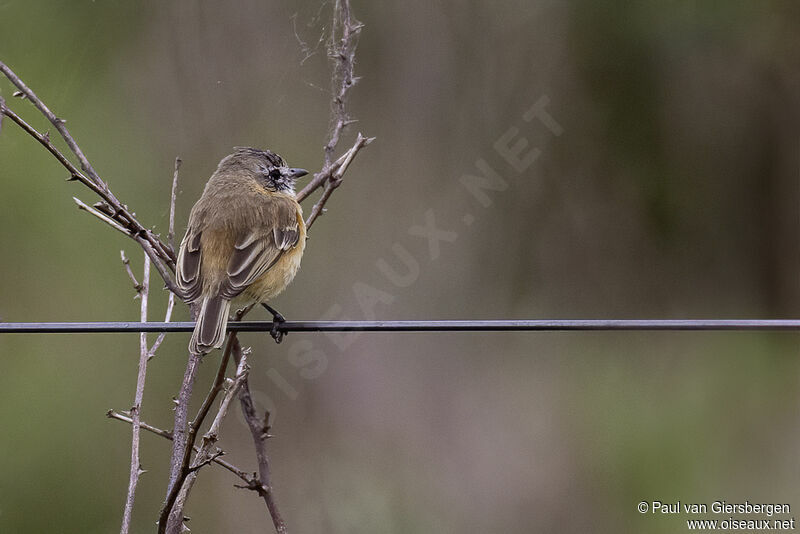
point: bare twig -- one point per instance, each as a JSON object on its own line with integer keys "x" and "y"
{"x": 127, "y": 264}
{"x": 336, "y": 176}
{"x": 142, "y": 290}
{"x": 169, "y": 283}
{"x": 58, "y": 123}
{"x": 121, "y": 416}
{"x": 162, "y": 335}
{"x": 44, "y": 140}
{"x": 172, "y": 197}
{"x": 205, "y": 455}
{"x": 145, "y": 354}
{"x": 171, "y": 242}
{"x": 180, "y": 428}
{"x": 252, "y": 482}
{"x": 341, "y": 50}
{"x": 193, "y": 428}
{"x": 259, "y": 430}
{"x": 157, "y": 250}
{"x": 103, "y": 217}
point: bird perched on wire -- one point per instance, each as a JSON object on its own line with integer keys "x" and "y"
{"x": 243, "y": 244}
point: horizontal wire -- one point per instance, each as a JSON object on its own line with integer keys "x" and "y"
{"x": 418, "y": 326}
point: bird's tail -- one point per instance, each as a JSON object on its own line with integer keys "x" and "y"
{"x": 212, "y": 322}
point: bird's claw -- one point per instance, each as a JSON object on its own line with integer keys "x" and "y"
{"x": 277, "y": 334}
{"x": 277, "y": 320}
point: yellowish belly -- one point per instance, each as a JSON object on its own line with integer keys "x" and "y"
{"x": 275, "y": 279}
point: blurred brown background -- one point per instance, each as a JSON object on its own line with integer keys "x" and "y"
{"x": 672, "y": 192}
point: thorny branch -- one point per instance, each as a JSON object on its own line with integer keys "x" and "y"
{"x": 342, "y": 52}
{"x": 205, "y": 455}
{"x": 143, "y": 291}
{"x": 191, "y": 435}
{"x": 259, "y": 430}
{"x": 171, "y": 240}
{"x": 162, "y": 256}
{"x": 251, "y": 481}
{"x": 145, "y": 354}
{"x": 336, "y": 176}
{"x": 180, "y": 430}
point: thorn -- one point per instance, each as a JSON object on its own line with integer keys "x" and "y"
{"x": 104, "y": 207}
{"x": 19, "y": 94}
{"x": 47, "y": 136}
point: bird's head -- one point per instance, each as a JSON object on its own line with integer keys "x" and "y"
{"x": 267, "y": 167}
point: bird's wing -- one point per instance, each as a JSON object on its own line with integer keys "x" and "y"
{"x": 187, "y": 268}
{"x": 258, "y": 249}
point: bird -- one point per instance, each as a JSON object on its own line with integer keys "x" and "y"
{"x": 243, "y": 243}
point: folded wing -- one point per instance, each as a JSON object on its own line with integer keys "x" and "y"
{"x": 257, "y": 250}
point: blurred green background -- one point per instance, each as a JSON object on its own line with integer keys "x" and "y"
{"x": 672, "y": 192}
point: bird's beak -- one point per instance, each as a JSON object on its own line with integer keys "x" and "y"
{"x": 297, "y": 173}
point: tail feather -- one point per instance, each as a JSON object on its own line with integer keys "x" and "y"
{"x": 212, "y": 322}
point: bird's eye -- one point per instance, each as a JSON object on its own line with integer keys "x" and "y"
{"x": 274, "y": 173}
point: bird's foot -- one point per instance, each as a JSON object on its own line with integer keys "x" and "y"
{"x": 277, "y": 320}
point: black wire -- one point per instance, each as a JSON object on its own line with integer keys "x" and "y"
{"x": 419, "y": 326}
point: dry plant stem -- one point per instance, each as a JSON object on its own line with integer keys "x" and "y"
{"x": 167, "y": 317}
{"x": 342, "y": 50}
{"x": 171, "y": 241}
{"x": 103, "y": 217}
{"x": 127, "y": 264}
{"x": 205, "y": 455}
{"x": 336, "y": 176}
{"x": 58, "y": 123}
{"x": 260, "y": 433}
{"x": 156, "y": 249}
{"x": 252, "y": 482}
{"x": 143, "y": 291}
{"x": 180, "y": 430}
{"x": 191, "y": 435}
{"x": 172, "y": 197}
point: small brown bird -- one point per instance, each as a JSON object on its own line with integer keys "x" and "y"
{"x": 244, "y": 241}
